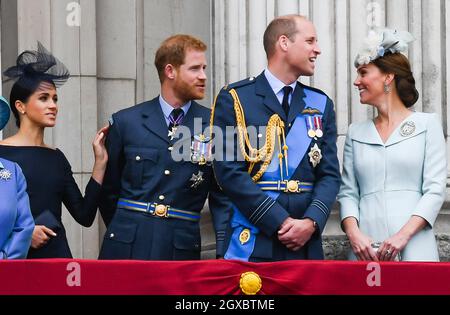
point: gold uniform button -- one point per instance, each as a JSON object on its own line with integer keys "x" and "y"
{"x": 167, "y": 172}
{"x": 138, "y": 158}
{"x": 161, "y": 197}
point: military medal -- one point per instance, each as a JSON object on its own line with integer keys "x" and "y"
{"x": 310, "y": 126}
{"x": 174, "y": 123}
{"x": 315, "y": 155}
{"x": 5, "y": 174}
{"x": 172, "y": 133}
{"x": 318, "y": 126}
{"x": 244, "y": 237}
{"x": 407, "y": 129}
{"x": 197, "y": 179}
{"x": 201, "y": 151}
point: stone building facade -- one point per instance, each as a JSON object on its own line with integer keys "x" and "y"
{"x": 109, "y": 47}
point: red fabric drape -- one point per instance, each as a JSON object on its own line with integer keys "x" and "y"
{"x": 219, "y": 277}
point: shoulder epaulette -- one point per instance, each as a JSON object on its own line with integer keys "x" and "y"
{"x": 239, "y": 84}
{"x": 313, "y": 89}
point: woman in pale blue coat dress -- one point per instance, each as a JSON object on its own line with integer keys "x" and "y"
{"x": 395, "y": 170}
{"x": 16, "y": 221}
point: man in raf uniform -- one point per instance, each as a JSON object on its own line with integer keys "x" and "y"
{"x": 152, "y": 201}
{"x": 283, "y": 189}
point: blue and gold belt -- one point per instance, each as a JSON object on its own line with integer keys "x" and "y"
{"x": 287, "y": 186}
{"x": 159, "y": 210}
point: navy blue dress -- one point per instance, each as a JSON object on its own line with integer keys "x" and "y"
{"x": 50, "y": 184}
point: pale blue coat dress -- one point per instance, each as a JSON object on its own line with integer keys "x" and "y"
{"x": 16, "y": 221}
{"x": 384, "y": 184}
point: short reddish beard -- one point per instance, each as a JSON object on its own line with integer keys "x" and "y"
{"x": 186, "y": 92}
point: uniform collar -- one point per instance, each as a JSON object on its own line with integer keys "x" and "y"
{"x": 276, "y": 84}
{"x": 167, "y": 108}
{"x": 1, "y": 165}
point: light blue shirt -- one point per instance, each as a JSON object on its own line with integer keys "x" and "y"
{"x": 167, "y": 108}
{"x": 277, "y": 86}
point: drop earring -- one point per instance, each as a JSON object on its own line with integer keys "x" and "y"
{"x": 387, "y": 88}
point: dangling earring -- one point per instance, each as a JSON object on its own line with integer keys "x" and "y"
{"x": 387, "y": 88}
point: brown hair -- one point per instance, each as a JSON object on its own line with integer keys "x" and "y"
{"x": 399, "y": 65}
{"x": 283, "y": 25}
{"x": 173, "y": 51}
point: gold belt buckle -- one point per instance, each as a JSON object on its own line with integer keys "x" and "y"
{"x": 161, "y": 211}
{"x": 292, "y": 186}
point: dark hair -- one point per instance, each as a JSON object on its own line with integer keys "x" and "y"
{"x": 173, "y": 51}
{"x": 399, "y": 65}
{"x": 22, "y": 90}
{"x": 283, "y": 25}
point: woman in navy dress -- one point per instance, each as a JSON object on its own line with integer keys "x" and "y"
{"x": 16, "y": 221}
{"x": 34, "y": 103}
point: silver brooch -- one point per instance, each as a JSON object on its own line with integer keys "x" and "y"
{"x": 5, "y": 174}
{"x": 407, "y": 128}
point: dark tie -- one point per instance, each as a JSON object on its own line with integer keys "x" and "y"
{"x": 287, "y": 90}
{"x": 175, "y": 117}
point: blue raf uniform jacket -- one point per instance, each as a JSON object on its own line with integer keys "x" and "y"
{"x": 16, "y": 221}
{"x": 259, "y": 104}
{"x": 141, "y": 168}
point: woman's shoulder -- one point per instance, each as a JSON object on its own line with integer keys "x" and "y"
{"x": 62, "y": 158}
{"x": 360, "y": 127}
{"x": 426, "y": 117}
{"x": 9, "y": 166}
{"x": 426, "y": 121}
{"x": 4, "y": 163}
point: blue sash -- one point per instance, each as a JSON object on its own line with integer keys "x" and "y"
{"x": 298, "y": 143}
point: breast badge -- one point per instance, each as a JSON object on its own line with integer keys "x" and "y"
{"x": 197, "y": 179}
{"x": 315, "y": 155}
